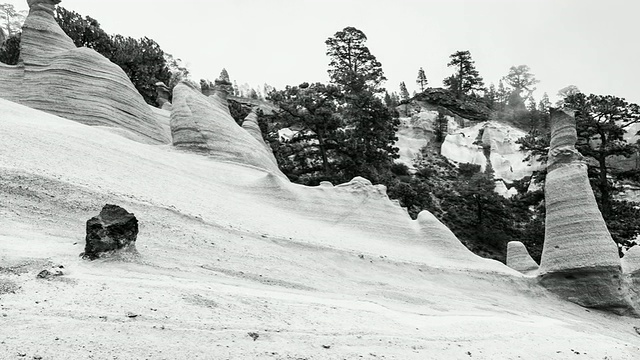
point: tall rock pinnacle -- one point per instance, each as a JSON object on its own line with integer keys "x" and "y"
{"x": 580, "y": 260}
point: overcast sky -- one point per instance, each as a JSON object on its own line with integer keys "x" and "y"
{"x": 591, "y": 44}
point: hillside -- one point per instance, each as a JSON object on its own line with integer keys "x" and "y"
{"x": 223, "y": 253}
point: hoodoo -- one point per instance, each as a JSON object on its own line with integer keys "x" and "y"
{"x": 580, "y": 260}
{"x": 203, "y": 124}
{"x": 518, "y": 258}
{"x": 78, "y": 84}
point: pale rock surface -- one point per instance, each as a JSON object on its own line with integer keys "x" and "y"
{"x": 580, "y": 259}
{"x": 250, "y": 125}
{"x": 2, "y": 36}
{"x": 203, "y": 124}
{"x": 631, "y": 262}
{"x": 75, "y": 83}
{"x": 518, "y": 258}
{"x": 502, "y": 189}
{"x": 316, "y": 272}
{"x": 417, "y": 131}
{"x": 469, "y": 145}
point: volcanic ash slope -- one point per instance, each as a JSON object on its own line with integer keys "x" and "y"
{"x": 228, "y": 250}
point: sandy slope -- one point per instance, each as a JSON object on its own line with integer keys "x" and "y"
{"x": 227, "y": 250}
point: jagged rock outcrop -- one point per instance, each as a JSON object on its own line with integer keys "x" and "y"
{"x": 468, "y": 108}
{"x": 203, "y": 124}
{"x": 580, "y": 260}
{"x": 518, "y": 258}
{"x": 75, "y": 83}
{"x": 2, "y": 36}
{"x": 114, "y": 229}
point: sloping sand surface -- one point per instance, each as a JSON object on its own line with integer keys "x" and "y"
{"x": 227, "y": 250}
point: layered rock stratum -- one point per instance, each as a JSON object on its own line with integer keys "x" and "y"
{"x": 579, "y": 259}
{"x": 204, "y": 124}
{"x": 75, "y": 83}
{"x": 518, "y": 258}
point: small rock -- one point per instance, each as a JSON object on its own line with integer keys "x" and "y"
{"x": 132, "y": 315}
{"x": 37, "y": 357}
{"x": 637, "y": 329}
{"x": 253, "y": 335}
{"x": 326, "y": 346}
{"x": 22, "y": 354}
{"x": 46, "y": 274}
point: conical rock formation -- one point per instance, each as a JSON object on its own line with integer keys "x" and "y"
{"x": 580, "y": 259}
{"x": 518, "y": 258}
{"x": 631, "y": 262}
{"x": 250, "y": 125}
{"x": 75, "y": 83}
{"x": 204, "y": 124}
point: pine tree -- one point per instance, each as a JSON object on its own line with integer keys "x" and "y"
{"x": 491, "y": 96}
{"x": 520, "y": 79}
{"x": 352, "y": 66}
{"x": 404, "y": 93}
{"x": 315, "y": 148}
{"x": 531, "y": 105}
{"x": 466, "y": 78}
{"x": 441, "y": 127}
{"x": 502, "y": 95}
{"x": 421, "y": 81}
{"x": 224, "y": 75}
{"x": 370, "y": 127}
{"x": 544, "y": 104}
{"x": 11, "y": 19}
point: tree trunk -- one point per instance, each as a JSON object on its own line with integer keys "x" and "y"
{"x": 604, "y": 188}
{"x": 323, "y": 152}
{"x": 478, "y": 209}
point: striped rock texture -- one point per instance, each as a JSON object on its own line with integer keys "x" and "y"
{"x": 75, "y": 83}
{"x": 580, "y": 260}
{"x": 518, "y": 258}
{"x": 250, "y": 125}
{"x": 204, "y": 124}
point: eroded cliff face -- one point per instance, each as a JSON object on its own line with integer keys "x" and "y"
{"x": 75, "y": 83}
{"x": 482, "y": 143}
{"x": 490, "y": 142}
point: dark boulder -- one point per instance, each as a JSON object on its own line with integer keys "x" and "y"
{"x": 112, "y": 230}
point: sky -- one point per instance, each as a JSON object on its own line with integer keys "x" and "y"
{"x": 591, "y": 44}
